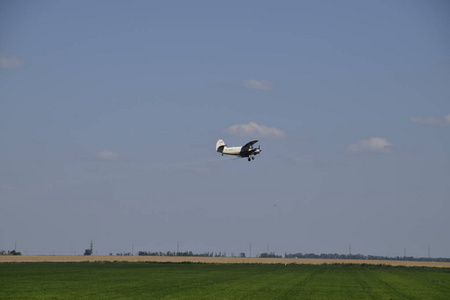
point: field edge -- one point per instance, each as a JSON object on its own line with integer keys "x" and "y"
{"x": 211, "y": 260}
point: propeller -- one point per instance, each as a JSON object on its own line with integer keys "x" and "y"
{"x": 258, "y": 150}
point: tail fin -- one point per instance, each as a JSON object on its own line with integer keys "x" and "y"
{"x": 220, "y": 145}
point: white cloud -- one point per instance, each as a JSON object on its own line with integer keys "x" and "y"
{"x": 107, "y": 155}
{"x": 258, "y": 84}
{"x": 253, "y": 129}
{"x": 10, "y": 63}
{"x": 432, "y": 121}
{"x": 372, "y": 145}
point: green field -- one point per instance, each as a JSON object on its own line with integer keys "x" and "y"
{"x": 219, "y": 281}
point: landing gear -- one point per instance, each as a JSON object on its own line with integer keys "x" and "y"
{"x": 253, "y": 158}
{"x": 249, "y": 159}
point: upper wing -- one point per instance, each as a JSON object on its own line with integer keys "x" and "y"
{"x": 249, "y": 144}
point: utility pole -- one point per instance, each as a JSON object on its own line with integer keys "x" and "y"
{"x": 250, "y": 250}
{"x": 428, "y": 252}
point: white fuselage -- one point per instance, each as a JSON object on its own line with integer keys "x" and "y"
{"x": 232, "y": 150}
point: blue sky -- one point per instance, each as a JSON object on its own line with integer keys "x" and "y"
{"x": 110, "y": 111}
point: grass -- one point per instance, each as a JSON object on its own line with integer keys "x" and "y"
{"x": 219, "y": 281}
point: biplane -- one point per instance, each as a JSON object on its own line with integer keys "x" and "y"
{"x": 245, "y": 151}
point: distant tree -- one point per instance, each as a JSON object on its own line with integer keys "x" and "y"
{"x": 90, "y": 250}
{"x": 269, "y": 255}
{"x": 12, "y": 252}
{"x": 242, "y": 254}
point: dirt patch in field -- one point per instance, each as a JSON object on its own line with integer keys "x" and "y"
{"x": 213, "y": 260}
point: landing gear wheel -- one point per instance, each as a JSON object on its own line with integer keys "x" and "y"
{"x": 253, "y": 158}
{"x": 249, "y": 159}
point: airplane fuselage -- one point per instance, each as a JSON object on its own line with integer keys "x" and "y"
{"x": 232, "y": 151}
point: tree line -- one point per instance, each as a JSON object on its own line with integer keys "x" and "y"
{"x": 267, "y": 255}
{"x": 186, "y": 253}
{"x": 365, "y": 257}
{"x": 12, "y": 252}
